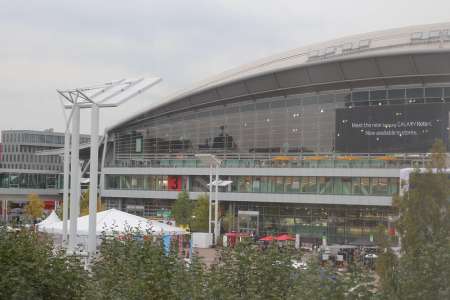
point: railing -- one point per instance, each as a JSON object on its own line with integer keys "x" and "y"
{"x": 262, "y": 160}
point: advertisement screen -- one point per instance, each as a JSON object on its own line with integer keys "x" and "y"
{"x": 388, "y": 129}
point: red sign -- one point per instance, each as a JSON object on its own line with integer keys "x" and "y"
{"x": 174, "y": 183}
{"x": 49, "y": 204}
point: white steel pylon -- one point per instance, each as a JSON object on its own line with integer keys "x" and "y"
{"x": 110, "y": 94}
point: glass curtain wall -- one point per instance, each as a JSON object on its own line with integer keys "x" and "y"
{"x": 341, "y": 224}
{"x": 290, "y": 124}
{"x": 376, "y": 186}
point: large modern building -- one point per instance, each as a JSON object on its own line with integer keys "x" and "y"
{"x": 23, "y": 172}
{"x": 312, "y": 139}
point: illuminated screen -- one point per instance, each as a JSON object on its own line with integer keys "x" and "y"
{"x": 394, "y": 128}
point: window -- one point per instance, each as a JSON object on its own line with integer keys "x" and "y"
{"x": 245, "y": 184}
{"x": 356, "y": 186}
{"x": 379, "y": 186}
{"x": 292, "y": 184}
{"x": 308, "y": 185}
{"x": 365, "y": 185}
{"x": 325, "y": 185}
{"x": 138, "y": 145}
{"x": 279, "y": 185}
{"x": 342, "y": 185}
{"x": 256, "y": 184}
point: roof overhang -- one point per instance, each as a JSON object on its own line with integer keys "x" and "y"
{"x": 420, "y": 67}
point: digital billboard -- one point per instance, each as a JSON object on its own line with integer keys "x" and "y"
{"x": 394, "y": 128}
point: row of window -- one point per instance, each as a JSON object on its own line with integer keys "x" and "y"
{"x": 291, "y": 124}
{"x": 341, "y": 224}
{"x": 25, "y": 157}
{"x": 30, "y": 166}
{"x": 380, "y": 186}
{"x": 29, "y": 181}
{"x": 37, "y": 138}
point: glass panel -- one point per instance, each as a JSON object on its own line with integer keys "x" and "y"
{"x": 256, "y": 184}
{"x": 279, "y": 184}
{"x": 325, "y": 185}
{"x": 393, "y": 186}
{"x": 292, "y": 184}
{"x": 245, "y": 185}
{"x": 356, "y": 186}
{"x": 365, "y": 185}
{"x": 308, "y": 185}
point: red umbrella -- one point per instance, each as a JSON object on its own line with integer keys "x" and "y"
{"x": 268, "y": 238}
{"x": 285, "y": 237}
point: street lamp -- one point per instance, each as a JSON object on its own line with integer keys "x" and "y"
{"x": 110, "y": 94}
{"x": 214, "y": 163}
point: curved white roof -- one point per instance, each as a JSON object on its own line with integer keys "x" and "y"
{"x": 414, "y": 39}
{"x": 379, "y": 42}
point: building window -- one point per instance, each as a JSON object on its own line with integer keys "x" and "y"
{"x": 139, "y": 145}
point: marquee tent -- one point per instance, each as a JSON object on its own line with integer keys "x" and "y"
{"x": 114, "y": 221}
{"x": 52, "y": 218}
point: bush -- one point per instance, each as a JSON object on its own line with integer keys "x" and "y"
{"x": 31, "y": 269}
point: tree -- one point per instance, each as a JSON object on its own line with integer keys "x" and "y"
{"x": 31, "y": 268}
{"x": 200, "y": 213}
{"x": 423, "y": 271}
{"x": 182, "y": 209}
{"x": 84, "y": 204}
{"x": 387, "y": 264}
{"x": 35, "y": 207}
{"x": 132, "y": 269}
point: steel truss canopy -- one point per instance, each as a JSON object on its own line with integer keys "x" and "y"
{"x": 109, "y": 94}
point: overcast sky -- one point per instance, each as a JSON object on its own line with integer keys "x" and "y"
{"x": 54, "y": 44}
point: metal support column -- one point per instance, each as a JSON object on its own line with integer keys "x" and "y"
{"x": 74, "y": 178}
{"x": 210, "y": 198}
{"x": 216, "y": 209}
{"x": 66, "y": 184}
{"x": 93, "y": 181}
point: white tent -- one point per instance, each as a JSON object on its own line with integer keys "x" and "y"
{"x": 114, "y": 221}
{"x": 52, "y": 218}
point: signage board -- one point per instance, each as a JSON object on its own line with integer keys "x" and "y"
{"x": 391, "y": 129}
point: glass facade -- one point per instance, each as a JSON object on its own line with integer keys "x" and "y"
{"x": 341, "y": 224}
{"x": 371, "y": 186}
{"x": 30, "y": 181}
{"x": 287, "y": 124}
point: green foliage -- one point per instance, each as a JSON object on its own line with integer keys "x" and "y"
{"x": 247, "y": 272}
{"x": 133, "y": 269}
{"x": 139, "y": 269}
{"x": 84, "y": 204}
{"x": 387, "y": 264}
{"x": 228, "y": 221}
{"x": 182, "y": 209}
{"x": 200, "y": 214}
{"x": 30, "y": 269}
{"x": 423, "y": 271}
{"x": 35, "y": 207}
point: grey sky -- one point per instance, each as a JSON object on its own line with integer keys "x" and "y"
{"x": 50, "y": 44}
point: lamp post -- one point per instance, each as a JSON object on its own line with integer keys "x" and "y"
{"x": 110, "y": 94}
{"x": 214, "y": 163}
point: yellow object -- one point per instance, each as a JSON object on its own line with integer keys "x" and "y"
{"x": 388, "y": 158}
{"x": 315, "y": 157}
{"x": 284, "y": 158}
{"x": 348, "y": 157}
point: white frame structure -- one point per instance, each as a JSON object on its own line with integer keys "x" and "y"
{"x": 110, "y": 94}
{"x": 214, "y": 163}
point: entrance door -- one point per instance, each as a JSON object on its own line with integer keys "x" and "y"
{"x": 248, "y": 222}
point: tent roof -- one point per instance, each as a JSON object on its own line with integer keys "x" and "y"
{"x": 52, "y": 218}
{"x": 115, "y": 221}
